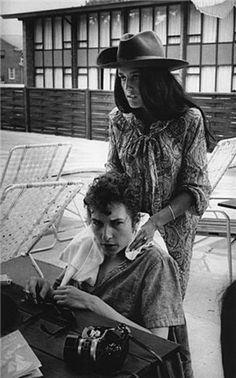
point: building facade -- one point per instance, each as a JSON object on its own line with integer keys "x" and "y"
{"x": 61, "y": 46}
{"x": 11, "y": 63}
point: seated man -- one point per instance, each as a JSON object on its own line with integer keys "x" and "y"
{"x": 143, "y": 292}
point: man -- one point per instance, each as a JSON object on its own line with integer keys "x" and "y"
{"x": 143, "y": 292}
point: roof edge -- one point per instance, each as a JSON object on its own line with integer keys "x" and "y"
{"x": 86, "y": 8}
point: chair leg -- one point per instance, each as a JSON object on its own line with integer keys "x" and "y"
{"x": 76, "y": 212}
{"x": 49, "y": 246}
{"x": 229, "y": 247}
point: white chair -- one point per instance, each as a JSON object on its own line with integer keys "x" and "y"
{"x": 28, "y": 211}
{"x": 34, "y": 163}
{"x": 217, "y": 222}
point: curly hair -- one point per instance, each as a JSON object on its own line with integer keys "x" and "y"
{"x": 163, "y": 97}
{"x": 113, "y": 187}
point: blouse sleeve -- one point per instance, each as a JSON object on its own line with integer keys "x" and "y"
{"x": 194, "y": 172}
{"x": 113, "y": 160}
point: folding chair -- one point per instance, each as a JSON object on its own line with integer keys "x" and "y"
{"x": 28, "y": 211}
{"x": 220, "y": 224}
{"x": 34, "y": 163}
{"x": 85, "y": 176}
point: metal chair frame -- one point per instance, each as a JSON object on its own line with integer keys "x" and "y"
{"x": 219, "y": 161}
{"x": 34, "y": 163}
{"x": 28, "y": 211}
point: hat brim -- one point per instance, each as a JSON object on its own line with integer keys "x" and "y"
{"x": 108, "y": 59}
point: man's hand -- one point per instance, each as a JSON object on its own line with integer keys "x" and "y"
{"x": 39, "y": 288}
{"x": 72, "y": 297}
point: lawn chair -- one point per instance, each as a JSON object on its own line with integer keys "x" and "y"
{"x": 34, "y": 163}
{"x": 29, "y": 211}
{"x": 219, "y": 222}
{"x": 85, "y": 176}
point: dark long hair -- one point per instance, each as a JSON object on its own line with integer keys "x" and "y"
{"x": 228, "y": 331}
{"x": 163, "y": 97}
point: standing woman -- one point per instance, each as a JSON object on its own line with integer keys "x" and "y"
{"x": 159, "y": 137}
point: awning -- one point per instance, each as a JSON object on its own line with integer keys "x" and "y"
{"x": 215, "y": 8}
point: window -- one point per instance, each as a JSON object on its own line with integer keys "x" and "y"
{"x": 208, "y": 45}
{"x": 53, "y": 52}
{"x": 105, "y": 29}
{"x": 160, "y": 23}
{"x": 210, "y": 48}
{"x": 11, "y": 73}
{"x": 146, "y": 19}
{"x": 116, "y": 27}
{"x": 95, "y": 32}
{"x": 133, "y": 21}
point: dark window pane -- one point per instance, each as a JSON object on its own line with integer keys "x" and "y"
{"x": 225, "y": 53}
{"x": 93, "y": 53}
{"x": 193, "y": 54}
{"x": 67, "y": 58}
{"x": 82, "y": 57}
{"x": 38, "y": 58}
{"x": 57, "y": 58}
{"x": 208, "y": 54}
{"x": 48, "y": 58}
{"x": 173, "y": 51}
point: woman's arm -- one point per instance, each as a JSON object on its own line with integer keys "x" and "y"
{"x": 113, "y": 160}
{"x": 182, "y": 202}
{"x": 76, "y": 298}
{"x": 161, "y": 332}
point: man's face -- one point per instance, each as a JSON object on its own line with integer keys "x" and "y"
{"x": 130, "y": 82}
{"x": 113, "y": 232}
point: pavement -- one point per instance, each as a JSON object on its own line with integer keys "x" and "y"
{"x": 209, "y": 270}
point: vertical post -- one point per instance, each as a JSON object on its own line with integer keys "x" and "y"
{"x": 74, "y": 52}
{"x": 88, "y": 128}
{"x": 27, "y": 109}
{"x": 28, "y": 51}
{"x": 183, "y": 39}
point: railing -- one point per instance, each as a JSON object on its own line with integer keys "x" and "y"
{"x": 84, "y": 113}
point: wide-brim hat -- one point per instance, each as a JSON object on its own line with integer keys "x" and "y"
{"x": 143, "y": 49}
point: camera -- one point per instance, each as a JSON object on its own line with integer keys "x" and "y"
{"x": 98, "y": 348}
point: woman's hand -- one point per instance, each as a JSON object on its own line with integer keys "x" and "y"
{"x": 72, "y": 297}
{"x": 144, "y": 235}
{"x": 39, "y": 288}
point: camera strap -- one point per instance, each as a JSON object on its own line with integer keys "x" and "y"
{"x": 142, "y": 345}
{"x": 165, "y": 371}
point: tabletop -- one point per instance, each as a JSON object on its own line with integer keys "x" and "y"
{"x": 230, "y": 204}
{"x": 49, "y": 348}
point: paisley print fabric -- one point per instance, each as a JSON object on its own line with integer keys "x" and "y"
{"x": 169, "y": 159}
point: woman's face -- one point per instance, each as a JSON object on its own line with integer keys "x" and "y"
{"x": 114, "y": 231}
{"x": 130, "y": 82}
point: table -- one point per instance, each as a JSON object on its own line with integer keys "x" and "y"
{"x": 230, "y": 204}
{"x": 49, "y": 349}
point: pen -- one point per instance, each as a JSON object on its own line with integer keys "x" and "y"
{"x": 36, "y": 267}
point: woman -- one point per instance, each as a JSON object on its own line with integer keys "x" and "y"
{"x": 159, "y": 137}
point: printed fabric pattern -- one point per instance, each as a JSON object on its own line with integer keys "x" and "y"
{"x": 171, "y": 158}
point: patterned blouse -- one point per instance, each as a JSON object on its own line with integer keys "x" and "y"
{"x": 170, "y": 159}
